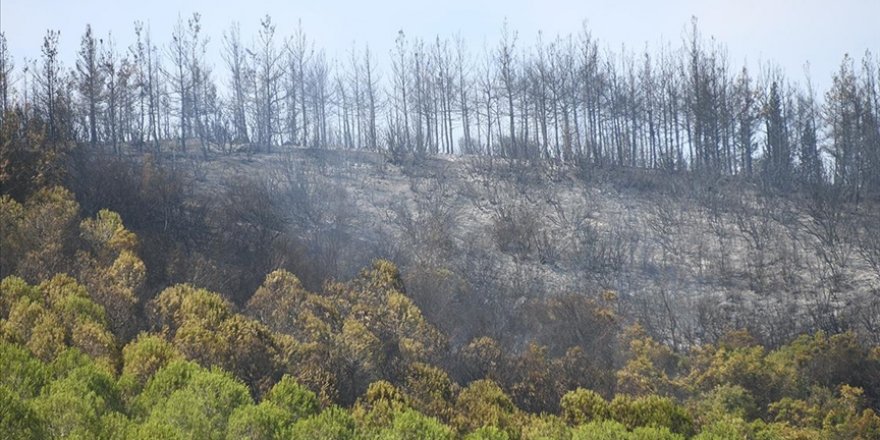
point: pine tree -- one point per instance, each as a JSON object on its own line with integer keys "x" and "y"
{"x": 90, "y": 81}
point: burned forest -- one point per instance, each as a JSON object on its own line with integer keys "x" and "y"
{"x": 244, "y": 235}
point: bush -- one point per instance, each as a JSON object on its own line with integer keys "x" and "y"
{"x": 483, "y": 403}
{"x": 583, "y": 406}
{"x": 296, "y": 401}
{"x": 412, "y": 425}
{"x": 487, "y": 433}
{"x": 601, "y": 430}
{"x": 257, "y": 422}
{"x": 20, "y": 372}
{"x": 333, "y": 423}
{"x": 651, "y": 410}
{"x": 201, "y": 409}
{"x": 18, "y": 421}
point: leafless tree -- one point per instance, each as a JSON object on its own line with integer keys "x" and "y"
{"x": 49, "y": 94}
{"x": 268, "y": 95}
{"x": 90, "y": 81}
{"x": 235, "y": 56}
{"x": 7, "y": 67}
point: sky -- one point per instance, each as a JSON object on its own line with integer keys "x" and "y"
{"x": 788, "y": 32}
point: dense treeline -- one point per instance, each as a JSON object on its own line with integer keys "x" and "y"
{"x": 561, "y": 98}
{"x": 79, "y": 360}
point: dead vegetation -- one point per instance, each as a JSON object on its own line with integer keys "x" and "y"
{"x": 478, "y": 237}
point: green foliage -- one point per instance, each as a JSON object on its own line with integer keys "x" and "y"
{"x": 611, "y": 430}
{"x": 384, "y": 275}
{"x": 746, "y": 367}
{"x": 74, "y": 310}
{"x": 107, "y": 235}
{"x": 484, "y": 403}
{"x": 201, "y": 408}
{"x": 651, "y": 410}
{"x": 174, "y": 376}
{"x": 12, "y": 289}
{"x": 99, "y": 255}
{"x": 69, "y": 360}
{"x": 725, "y": 428}
{"x": 724, "y": 401}
{"x": 18, "y": 420}
{"x": 583, "y": 406}
{"x": 257, "y": 422}
{"x": 183, "y": 303}
{"x": 430, "y": 390}
{"x": 546, "y": 427}
{"x": 795, "y": 412}
{"x": 413, "y": 425}
{"x": 828, "y": 361}
{"x": 352, "y": 334}
{"x": 47, "y": 339}
{"x": 535, "y": 388}
{"x": 484, "y": 357}
{"x": 279, "y": 302}
{"x": 487, "y": 433}
{"x": 601, "y": 430}
{"x": 56, "y": 314}
{"x": 654, "y": 433}
{"x": 333, "y": 423}
{"x": 783, "y": 431}
{"x": 293, "y": 399}
{"x": 117, "y": 426}
{"x": 361, "y": 342}
{"x": 116, "y": 287}
{"x": 204, "y": 328}
{"x": 144, "y": 356}
{"x": 73, "y": 406}
{"x": 20, "y": 372}
{"x": 379, "y": 405}
{"x": 157, "y": 429}
{"x": 646, "y": 371}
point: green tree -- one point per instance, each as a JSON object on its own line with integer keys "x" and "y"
{"x": 296, "y": 401}
{"x": 648, "y": 366}
{"x": 377, "y": 407}
{"x": 74, "y": 405}
{"x": 545, "y": 427}
{"x": 257, "y": 422}
{"x": 583, "y": 406}
{"x": 20, "y": 372}
{"x": 168, "y": 379}
{"x": 487, "y": 433}
{"x": 483, "y": 403}
{"x": 430, "y": 390}
{"x": 413, "y": 425}
{"x": 143, "y": 357}
{"x": 652, "y": 411}
{"x": 278, "y": 302}
{"x": 601, "y": 430}
{"x": 18, "y": 421}
{"x": 110, "y": 267}
{"x": 201, "y": 408}
{"x": 333, "y": 423}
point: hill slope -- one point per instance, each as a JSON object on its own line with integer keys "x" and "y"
{"x": 689, "y": 257}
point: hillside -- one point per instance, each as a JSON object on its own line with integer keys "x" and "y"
{"x": 313, "y": 294}
{"x": 690, "y": 258}
{"x": 222, "y": 227}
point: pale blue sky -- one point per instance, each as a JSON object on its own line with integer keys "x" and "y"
{"x": 789, "y": 32}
